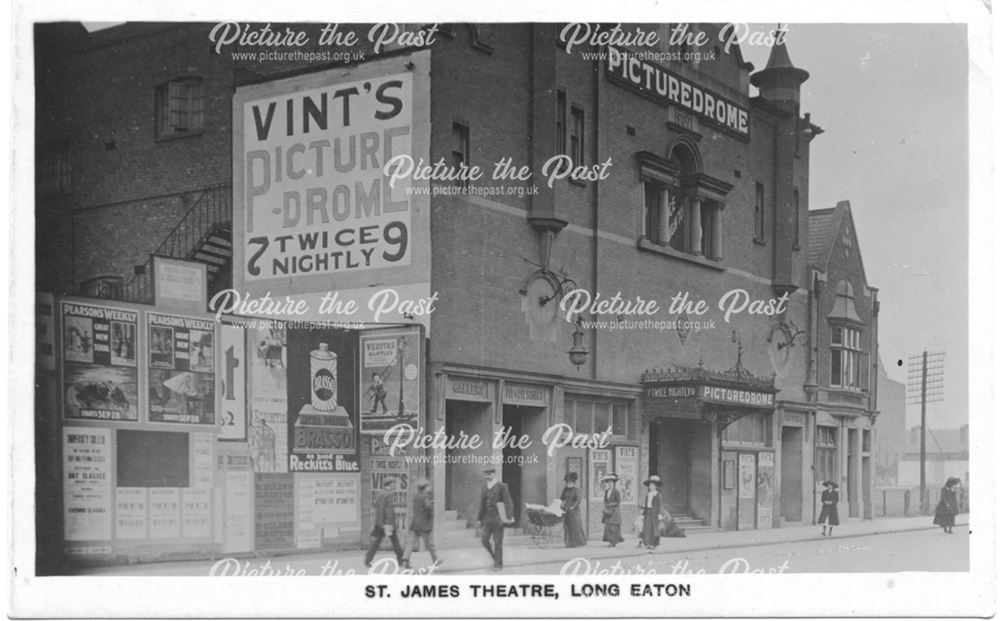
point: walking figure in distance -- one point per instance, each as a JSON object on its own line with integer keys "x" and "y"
{"x": 495, "y": 512}
{"x": 612, "y": 516}
{"x": 651, "y": 513}
{"x": 947, "y": 506}
{"x": 422, "y": 523}
{"x": 384, "y": 518}
{"x": 828, "y": 515}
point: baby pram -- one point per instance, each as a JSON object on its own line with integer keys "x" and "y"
{"x": 541, "y": 519}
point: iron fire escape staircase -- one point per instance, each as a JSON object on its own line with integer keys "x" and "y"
{"x": 204, "y": 234}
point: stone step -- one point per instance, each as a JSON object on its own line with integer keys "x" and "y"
{"x": 448, "y": 526}
{"x": 450, "y": 514}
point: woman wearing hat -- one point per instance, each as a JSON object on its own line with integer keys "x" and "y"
{"x": 651, "y": 508}
{"x": 947, "y": 506}
{"x": 572, "y": 522}
{"x": 828, "y": 515}
{"x": 612, "y": 517}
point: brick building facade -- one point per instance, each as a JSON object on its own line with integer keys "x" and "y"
{"x": 704, "y": 192}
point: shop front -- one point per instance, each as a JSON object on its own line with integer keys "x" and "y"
{"x": 711, "y": 442}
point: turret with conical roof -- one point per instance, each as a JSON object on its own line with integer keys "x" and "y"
{"x": 780, "y": 80}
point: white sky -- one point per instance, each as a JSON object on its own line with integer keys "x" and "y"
{"x": 892, "y": 99}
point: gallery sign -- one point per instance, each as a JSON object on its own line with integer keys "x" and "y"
{"x": 314, "y": 211}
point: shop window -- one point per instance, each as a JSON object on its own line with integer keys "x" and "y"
{"x": 826, "y": 453}
{"x": 845, "y": 357}
{"x": 180, "y": 107}
{"x": 750, "y": 430}
{"x": 597, "y": 416}
{"x": 758, "y": 213}
{"x": 460, "y": 150}
{"x": 576, "y": 136}
{"x": 619, "y": 419}
{"x": 561, "y": 122}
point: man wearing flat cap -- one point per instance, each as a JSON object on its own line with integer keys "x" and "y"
{"x": 384, "y": 520}
{"x": 422, "y": 523}
{"x": 496, "y": 511}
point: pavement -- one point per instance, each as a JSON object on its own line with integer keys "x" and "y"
{"x": 520, "y": 555}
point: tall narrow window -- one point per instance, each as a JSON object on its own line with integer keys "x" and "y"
{"x": 845, "y": 357}
{"x": 652, "y": 212}
{"x": 561, "y": 122}
{"x": 826, "y": 453}
{"x": 758, "y": 213}
{"x": 576, "y": 137}
{"x": 180, "y": 107}
{"x": 460, "y": 149}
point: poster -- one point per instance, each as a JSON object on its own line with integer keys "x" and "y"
{"x": 196, "y": 511}
{"x": 274, "y": 512}
{"x": 232, "y": 384}
{"x": 765, "y": 489}
{"x": 600, "y": 465}
{"x": 181, "y": 369}
{"x": 130, "y": 513}
{"x": 385, "y": 468}
{"x": 87, "y": 483}
{"x": 747, "y": 477}
{"x": 391, "y": 378}
{"x": 239, "y": 499}
{"x": 627, "y": 466}
{"x": 100, "y": 374}
{"x": 165, "y": 512}
{"x": 268, "y": 433}
{"x": 322, "y": 401}
{"x": 201, "y": 474}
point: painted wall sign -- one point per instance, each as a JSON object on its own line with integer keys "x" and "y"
{"x": 671, "y": 89}
{"x": 100, "y": 374}
{"x": 314, "y": 209}
{"x": 516, "y": 393}
{"x": 468, "y": 389}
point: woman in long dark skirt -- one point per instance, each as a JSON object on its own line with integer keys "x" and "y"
{"x": 828, "y": 515}
{"x": 572, "y": 521}
{"x": 651, "y": 507}
{"x": 612, "y": 516}
{"x": 947, "y": 506}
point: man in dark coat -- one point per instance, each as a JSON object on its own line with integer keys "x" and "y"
{"x": 384, "y": 519}
{"x": 496, "y": 510}
{"x": 422, "y": 523}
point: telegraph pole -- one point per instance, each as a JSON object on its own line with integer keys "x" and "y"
{"x": 926, "y": 383}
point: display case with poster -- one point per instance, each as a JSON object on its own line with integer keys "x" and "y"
{"x": 181, "y": 369}
{"x": 99, "y": 371}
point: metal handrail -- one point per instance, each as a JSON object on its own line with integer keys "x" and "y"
{"x": 210, "y": 212}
